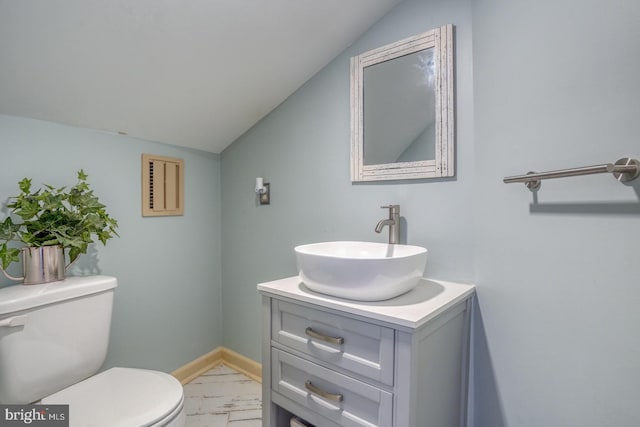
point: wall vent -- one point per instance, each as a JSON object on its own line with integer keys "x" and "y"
{"x": 162, "y": 186}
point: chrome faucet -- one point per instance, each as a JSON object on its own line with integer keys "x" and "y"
{"x": 393, "y": 222}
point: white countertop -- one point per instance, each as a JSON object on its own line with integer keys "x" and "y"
{"x": 413, "y": 309}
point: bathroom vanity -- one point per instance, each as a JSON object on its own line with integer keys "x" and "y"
{"x": 402, "y": 362}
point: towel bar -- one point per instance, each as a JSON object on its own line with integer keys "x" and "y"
{"x": 624, "y": 170}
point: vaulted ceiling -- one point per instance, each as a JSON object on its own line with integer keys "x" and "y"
{"x": 195, "y": 73}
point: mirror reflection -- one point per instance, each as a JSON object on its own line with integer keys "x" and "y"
{"x": 399, "y": 109}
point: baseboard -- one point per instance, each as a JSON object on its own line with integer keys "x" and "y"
{"x": 241, "y": 363}
{"x": 220, "y": 355}
{"x": 197, "y": 367}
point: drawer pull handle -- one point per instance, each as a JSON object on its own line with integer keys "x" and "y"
{"x": 329, "y": 396}
{"x": 323, "y": 337}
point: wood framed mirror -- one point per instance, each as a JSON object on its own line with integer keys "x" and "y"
{"x": 402, "y": 109}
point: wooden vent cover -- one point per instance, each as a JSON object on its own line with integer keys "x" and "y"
{"x": 162, "y": 186}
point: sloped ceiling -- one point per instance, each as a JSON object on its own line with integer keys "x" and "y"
{"x": 195, "y": 73}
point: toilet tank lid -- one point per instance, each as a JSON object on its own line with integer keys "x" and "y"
{"x": 23, "y": 297}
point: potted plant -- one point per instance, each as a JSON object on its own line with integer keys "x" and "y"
{"x": 53, "y": 219}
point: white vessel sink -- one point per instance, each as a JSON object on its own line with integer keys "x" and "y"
{"x": 362, "y": 271}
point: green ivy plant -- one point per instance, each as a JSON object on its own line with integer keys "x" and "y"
{"x": 54, "y": 216}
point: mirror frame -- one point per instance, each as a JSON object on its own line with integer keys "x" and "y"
{"x": 441, "y": 40}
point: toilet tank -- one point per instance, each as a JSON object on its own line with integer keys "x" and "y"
{"x": 52, "y": 335}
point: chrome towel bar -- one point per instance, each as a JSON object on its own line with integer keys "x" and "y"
{"x": 624, "y": 170}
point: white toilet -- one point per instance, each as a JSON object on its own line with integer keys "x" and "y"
{"x": 54, "y": 337}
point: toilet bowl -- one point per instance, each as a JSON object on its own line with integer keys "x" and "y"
{"x": 54, "y": 339}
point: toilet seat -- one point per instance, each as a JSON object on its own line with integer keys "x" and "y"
{"x": 122, "y": 397}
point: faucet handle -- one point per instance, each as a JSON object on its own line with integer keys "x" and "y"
{"x": 393, "y": 209}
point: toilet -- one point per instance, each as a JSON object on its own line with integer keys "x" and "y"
{"x": 54, "y": 339}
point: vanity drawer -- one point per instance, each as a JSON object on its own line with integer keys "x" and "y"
{"x": 339, "y": 398}
{"x": 359, "y": 347}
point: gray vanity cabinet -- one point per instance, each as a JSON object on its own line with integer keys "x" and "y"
{"x": 395, "y": 363}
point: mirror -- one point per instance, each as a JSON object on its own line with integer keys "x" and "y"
{"x": 402, "y": 116}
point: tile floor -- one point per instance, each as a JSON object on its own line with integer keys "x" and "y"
{"x": 223, "y": 397}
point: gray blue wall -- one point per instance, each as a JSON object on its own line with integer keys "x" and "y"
{"x": 167, "y": 308}
{"x": 553, "y": 84}
{"x": 302, "y": 149}
{"x": 549, "y": 84}
{"x": 556, "y": 85}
